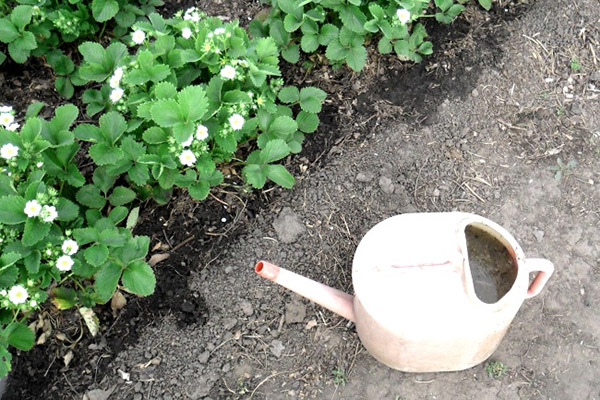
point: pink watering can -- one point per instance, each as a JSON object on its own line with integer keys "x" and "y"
{"x": 433, "y": 291}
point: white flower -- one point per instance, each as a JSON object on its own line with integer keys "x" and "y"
{"x": 188, "y": 141}
{"x": 9, "y": 151}
{"x": 64, "y": 263}
{"x": 6, "y": 119}
{"x": 114, "y": 81}
{"x": 118, "y": 73}
{"x": 116, "y": 94}
{"x": 228, "y": 72}
{"x": 5, "y": 109}
{"x": 187, "y": 157}
{"x": 236, "y": 121}
{"x": 33, "y": 303}
{"x": 138, "y": 36}
{"x": 195, "y": 17}
{"x": 32, "y": 208}
{"x": 13, "y": 127}
{"x": 48, "y": 213}
{"x": 70, "y": 247}
{"x": 219, "y": 31}
{"x": 403, "y": 15}
{"x": 201, "y": 132}
{"x": 17, "y": 294}
{"x": 3, "y": 292}
{"x": 48, "y": 252}
{"x": 39, "y": 165}
{"x": 186, "y": 33}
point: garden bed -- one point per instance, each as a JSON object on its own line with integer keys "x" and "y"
{"x": 475, "y": 127}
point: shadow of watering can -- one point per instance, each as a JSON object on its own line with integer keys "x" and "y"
{"x": 415, "y": 306}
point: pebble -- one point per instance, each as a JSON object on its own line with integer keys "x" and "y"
{"x": 475, "y": 93}
{"x": 365, "y": 177}
{"x": 203, "y": 358}
{"x": 539, "y": 234}
{"x": 295, "y": 312}
{"x": 386, "y": 185}
{"x": 288, "y": 226}
{"x": 595, "y": 76}
{"x": 247, "y": 308}
{"x": 276, "y": 348}
{"x": 138, "y": 396}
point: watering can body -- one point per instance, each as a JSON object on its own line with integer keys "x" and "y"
{"x": 415, "y": 305}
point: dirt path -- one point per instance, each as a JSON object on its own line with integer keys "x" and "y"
{"x": 492, "y": 119}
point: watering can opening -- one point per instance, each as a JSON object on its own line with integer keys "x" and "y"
{"x": 492, "y": 262}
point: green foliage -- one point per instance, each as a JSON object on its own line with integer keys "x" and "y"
{"x": 495, "y": 369}
{"x": 341, "y": 28}
{"x": 186, "y": 101}
{"x": 42, "y": 28}
{"x": 56, "y": 230}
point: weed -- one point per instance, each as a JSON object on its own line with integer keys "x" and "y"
{"x": 575, "y": 64}
{"x": 561, "y": 169}
{"x": 339, "y": 376}
{"x": 495, "y": 369}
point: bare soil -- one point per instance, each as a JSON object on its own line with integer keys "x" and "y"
{"x": 479, "y": 127}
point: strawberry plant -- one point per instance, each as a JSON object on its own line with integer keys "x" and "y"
{"x": 58, "y": 235}
{"x": 195, "y": 91}
{"x": 342, "y": 27}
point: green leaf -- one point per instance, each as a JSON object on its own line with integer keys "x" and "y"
{"x": 199, "y": 191}
{"x": 165, "y": 90}
{"x": 20, "y": 336}
{"x": 104, "y": 155}
{"x": 356, "y": 58}
{"x": 63, "y": 298}
{"x": 64, "y": 87}
{"x": 289, "y": 94}
{"x": 26, "y": 41}
{"x": 311, "y": 99}
{"x": 106, "y": 280}
{"x": 138, "y": 278}
{"x": 34, "y": 231}
{"x": 11, "y": 210}
{"x": 92, "y": 52}
{"x": 90, "y": 196}
{"x": 9, "y": 258}
{"x": 18, "y": 54}
{"x": 155, "y": 135}
{"x": 282, "y": 127}
{"x": 66, "y": 209}
{"x": 102, "y": 179}
{"x": 353, "y": 18}
{"x": 255, "y": 175}
{"x": 309, "y": 43}
{"x": 291, "y": 53}
{"x": 192, "y": 102}
{"x": 8, "y": 32}
{"x": 118, "y": 214}
{"x": 132, "y": 218}
{"x": 86, "y": 235}
{"x": 8, "y": 276}
{"x": 112, "y": 126}
{"x": 21, "y": 16}
{"x": 103, "y": 10}
{"x": 166, "y": 113}
{"x": 121, "y": 195}
{"x": 274, "y": 150}
{"x": 96, "y": 255}
{"x": 280, "y": 175}
{"x": 328, "y": 33}
{"x": 32, "y": 262}
{"x": 307, "y": 122}
{"x": 487, "y": 4}
{"x": 291, "y": 23}
{"x": 335, "y": 51}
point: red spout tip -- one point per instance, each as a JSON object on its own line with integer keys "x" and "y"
{"x": 266, "y": 270}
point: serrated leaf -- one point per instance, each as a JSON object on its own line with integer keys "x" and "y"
{"x": 307, "y": 122}
{"x": 255, "y": 175}
{"x": 63, "y": 298}
{"x": 138, "y": 278}
{"x": 20, "y": 336}
{"x": 192, "y": 102}
{"x": 86, "y": 235}
{"x": 11, "y": 210}
{"x": 487, "y": 4}
{"x": 199, "y": 191}
{"x": 155, "y": 135}
{"x": 96, "y": 255}
{"x": 103, "y": 10}
{"x": 280, "y": 175}
{"x": 8, "y": 276}
{"x": 166, "y": 113}
{"x": 21, "y": 16}
{"x": 309, "y": 43}
{"x": 289, "y": 94}
{"x": 66, "y": 209}
{"x": 118, "y": 214}
{"x": 34, "y": 231}
{"x": 121, "y": 195}
{"x": 90, "y": 196}
{"x": 311, "y": 99}
{"x": 356, "y": 58}
{"x": 8, "y": 32}
{"x": 104, "y": 155}
{"x": 274, "y": 150}
{"x": 165, "y": 90}
{"x": 282, "y": 127}
{"x": 291, "y": 53}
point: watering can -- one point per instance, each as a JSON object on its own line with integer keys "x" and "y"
{"x": 417, "y": 306}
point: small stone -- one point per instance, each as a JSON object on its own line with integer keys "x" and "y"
{"x": 436, "y": 193}
{"x": 365, "y": 177}
{"x": 288, "y": 226}
{"x": 247, "y": 308}
{"x": 228, "y": 270}
{"x": 295, "y": 312}
{"x": 226, "y": 368}
{"x": 576, "y": 108}
{"x": 203, "y": 358}
{"x": 386, "y": 185}
{"x": 595, "y": 76}
{"x": 138, "y": 396}
{"x": 475, "y": 93}
{"x": 276, "y": 348}
{"x": 539, "y": 234}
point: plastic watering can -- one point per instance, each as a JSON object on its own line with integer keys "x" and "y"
{"x": 416, "y": 305}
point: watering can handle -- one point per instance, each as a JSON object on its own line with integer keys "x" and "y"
{"x": 544, "y": 269}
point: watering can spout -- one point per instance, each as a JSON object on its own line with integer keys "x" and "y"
{"x": 334, "y": 300}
